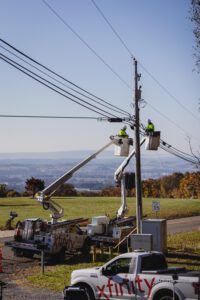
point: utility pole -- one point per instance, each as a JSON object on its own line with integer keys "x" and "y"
{"x": 137, "y": 153}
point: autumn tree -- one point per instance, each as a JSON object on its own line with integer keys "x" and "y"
{"x": 169, "y": 185}
{"x": 34, "y": 185}
{"x": 190, "y": 185}
{"x": 151, "y": 188}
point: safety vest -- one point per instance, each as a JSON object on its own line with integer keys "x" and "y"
{"x": 122, "y": 133}
{"x": 150, "y": 127}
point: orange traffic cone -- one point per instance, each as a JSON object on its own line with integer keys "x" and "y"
{"x": 1, "y": 268}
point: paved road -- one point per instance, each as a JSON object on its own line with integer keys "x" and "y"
{"x": 183, "y": 225}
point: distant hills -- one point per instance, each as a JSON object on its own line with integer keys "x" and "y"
{"x": 15, "y": 168}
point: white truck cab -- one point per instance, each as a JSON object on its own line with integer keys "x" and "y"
{"x": 138, "y": 275}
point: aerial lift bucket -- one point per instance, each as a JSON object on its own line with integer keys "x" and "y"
{"x": 122, "y": 146}
{"x": 152, "y": 141}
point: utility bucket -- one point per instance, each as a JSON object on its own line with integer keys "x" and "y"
{"x": 152, "y": 141}
{"x": 122, "y": 146}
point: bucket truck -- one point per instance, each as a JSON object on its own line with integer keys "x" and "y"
{"x": 56, "y": 237}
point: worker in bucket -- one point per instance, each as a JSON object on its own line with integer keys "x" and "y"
{"x": 150, "y": 127}
{"x": 122, "y": 133}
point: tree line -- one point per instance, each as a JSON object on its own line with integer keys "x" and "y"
{"x": 176, "y": 185}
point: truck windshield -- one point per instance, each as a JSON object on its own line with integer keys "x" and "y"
{"x": 153, "y": 262}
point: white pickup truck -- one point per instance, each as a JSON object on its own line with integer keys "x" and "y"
{"x": 138, "y": 275}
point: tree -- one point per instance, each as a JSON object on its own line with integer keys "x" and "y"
{"x": 170, "y": 184}
{"x": 189, "y": 185}
{"x": 195, "y": 12}
{"x": 3, "y": 190}
{"x": 34, "y": 185}
{"x": 66, "y": 190}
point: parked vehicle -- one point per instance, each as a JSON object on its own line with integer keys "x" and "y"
{"x": 138, "y": 275}
{"x": 33, "y": 235}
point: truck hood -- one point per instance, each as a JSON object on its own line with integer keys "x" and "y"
{"x": 91, "y": 272}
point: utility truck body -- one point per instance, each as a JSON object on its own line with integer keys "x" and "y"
{"x": 138, "y": 275}
{"x": 33, "y": 235}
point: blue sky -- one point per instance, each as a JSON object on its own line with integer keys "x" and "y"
{"x": 158, "y": 33}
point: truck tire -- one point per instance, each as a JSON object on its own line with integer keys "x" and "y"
{"x": 165, "y": 295}
{"x": 88, "y": 289}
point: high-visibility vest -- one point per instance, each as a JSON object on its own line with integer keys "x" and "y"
{"x": 123, "y": 133}
{"x": 150, "y": 127}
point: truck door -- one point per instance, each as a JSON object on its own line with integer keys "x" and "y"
{"x": 116, "y": 280}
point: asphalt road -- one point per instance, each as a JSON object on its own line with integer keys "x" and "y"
{"x": 183, "y": 225}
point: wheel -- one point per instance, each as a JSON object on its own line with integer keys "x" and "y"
{"x": 165, "y": 295}
{"x": 89, "y": 291}
{"x": 86, "y": 247}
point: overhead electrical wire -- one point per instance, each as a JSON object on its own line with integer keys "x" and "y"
{"x": 56, "y": 74}
{"x": 86, "y": 44}
{"x": 52, "y": 86}
{"x": 72, "y": 89}
{"x": 174, "y": 123}
{"x": 58, "y": 16}
{"x": 47, "y": 117}
{"x": 45, "y": 84}
{"x": 145, "y": 69}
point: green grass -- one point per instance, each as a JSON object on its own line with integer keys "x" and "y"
{"x": 187, "y": 242}
{"x": 85, "y": 207}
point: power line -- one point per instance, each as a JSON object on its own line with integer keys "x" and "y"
{"x": 58, "y": 81}
{"x": 131, "y": 54}
{"x": 36, "y": 79}
{"x": 59, "y": 76}
{"x": 86, "y": 44}
{"x": 47, "y": 117}
{"x": 171, "y": 121}
{"x": 55, "y": 86}
{"x": 35, "y": 76}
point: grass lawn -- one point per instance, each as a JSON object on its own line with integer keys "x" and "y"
{"x": 86, "y": 207}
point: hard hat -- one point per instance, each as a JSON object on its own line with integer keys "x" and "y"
{"x": 149, "y": 121}
{"x": 124, "y": 128}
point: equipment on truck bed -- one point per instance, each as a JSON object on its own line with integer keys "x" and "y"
{"x": 58, "y": 237}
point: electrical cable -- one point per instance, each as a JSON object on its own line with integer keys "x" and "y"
{"x": 47, "y": 117}
{"x": 86, "y": 44}
{"x": 171, "y": 121}
{"x": 131, "y": 54}
{"x": 61, "y": 77}
{"x": 52, "y": 87}
{"x": 164, "y": 145}
{"x": 72, "y": 89}
{"x": 40, "y": 77}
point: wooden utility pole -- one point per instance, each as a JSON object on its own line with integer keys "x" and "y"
{"x": 137, "y": 153}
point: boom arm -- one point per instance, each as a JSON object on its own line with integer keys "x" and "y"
{"x": 45, "y": 195}
{"x": 119, "y": 171}
{"x": 120, "y": 176}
